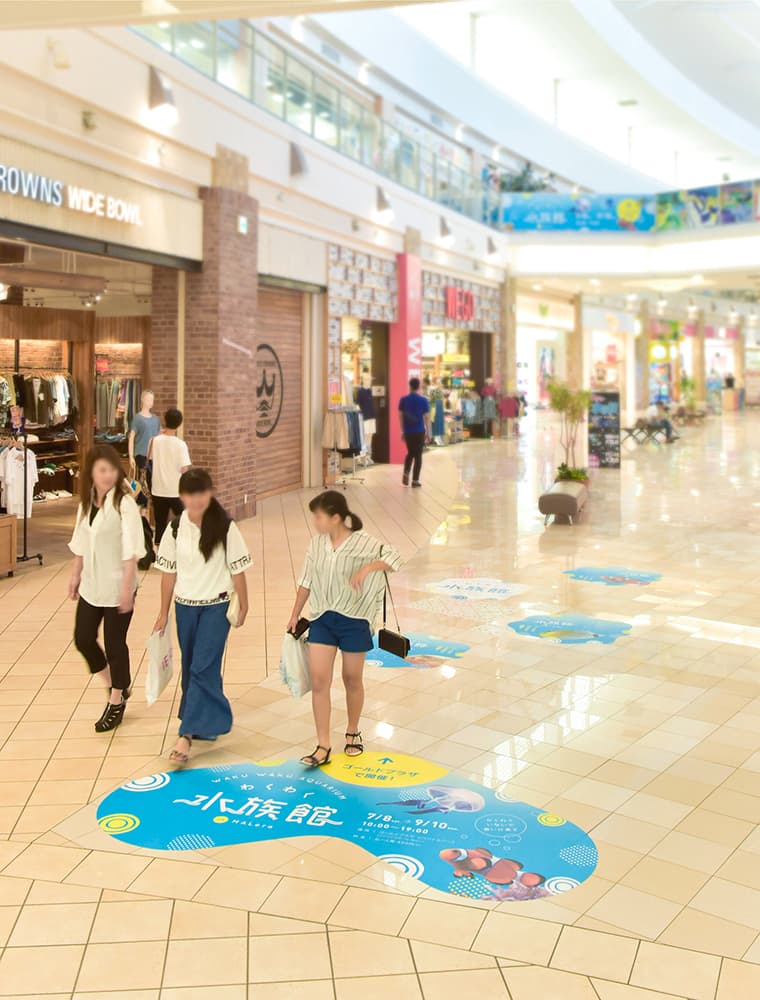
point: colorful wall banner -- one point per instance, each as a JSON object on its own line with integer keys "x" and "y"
{"x": 695, "y": 209}
{"x": 426, "y": 651}
{"x": 436, "y": 826}
{"x": 477, "y": 589}
{"x": 571, "y": 629}
{"x": 583, "y": 212}
{"x": 612, "y": 576}
{"x": 737, "y": 203}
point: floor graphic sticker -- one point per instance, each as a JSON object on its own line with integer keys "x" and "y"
{"x": 479, "y": 588}
{"x": 437, "y": 826}
{"x": 570, "y": 629}
{"x": 426, "y": 651}
{"x": 612, "y": 576}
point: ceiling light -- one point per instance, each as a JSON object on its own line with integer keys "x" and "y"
{"x": 496, "y": 153}
{"x": 445, "y": 232}
{"x": 697, "y": 279}
{"x": 363, "y": 74}
{"x": 163, "y": 110}
{"x": 631, "y": 297}
{"x": 628, "y": 102}
{"x": 383, "y": 208}
{"x": 595, "y": 282}
{"x": 537, "y": 288}
{"x": 492, "y": 251}
{"x": 459, "y": 133}
{"x": 197, "y": 43}
{"x": 725, "y": 159}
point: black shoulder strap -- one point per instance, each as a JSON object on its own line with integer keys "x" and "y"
{"x": 175, "y": 527}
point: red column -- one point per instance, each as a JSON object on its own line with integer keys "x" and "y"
{"x": 405, "y": 347}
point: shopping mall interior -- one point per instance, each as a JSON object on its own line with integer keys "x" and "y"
{"x": 503, "y": 251}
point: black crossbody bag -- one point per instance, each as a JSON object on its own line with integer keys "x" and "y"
{"x": 388, "y": 640}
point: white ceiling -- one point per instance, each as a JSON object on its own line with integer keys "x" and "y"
{"x": 692, "y": 67}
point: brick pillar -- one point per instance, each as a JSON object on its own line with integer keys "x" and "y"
{"x": 220, "y": 350}
{"x": 163, "y": 346}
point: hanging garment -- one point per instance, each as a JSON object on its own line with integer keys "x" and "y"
{"x": 12, "y": 480}
{"x": 6, "y": 397}
{"x": 439, "y": 424}
{"x": 489, "y": 405}
{"x": 335, "y": 431}
{"x": 366, "y": 403}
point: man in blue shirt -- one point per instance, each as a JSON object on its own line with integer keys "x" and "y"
{"x": 414, "y": 414}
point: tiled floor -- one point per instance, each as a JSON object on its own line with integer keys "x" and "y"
{"x": 651, "y": 744}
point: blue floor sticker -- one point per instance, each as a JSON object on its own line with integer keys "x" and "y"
{"x": 439, "y": 827}
{"x": 426, "y": 651}
{"x": 612, "y": 576}
{"x": 570, "y": 629}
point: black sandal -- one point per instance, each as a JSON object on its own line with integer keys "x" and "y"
{"x": 111, "y": 718}
{"x": 355, "y": 747}
{"x": 311, "y": 760}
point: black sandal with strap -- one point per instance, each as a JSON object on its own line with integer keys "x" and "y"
{"x": 311, "y": 760}
{"x": 355, "y": 747}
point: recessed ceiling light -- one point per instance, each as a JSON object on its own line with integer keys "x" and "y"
{"x": 595, "y": 282}
{"x": 697, "y": 279}
{"x": 536, "y": 288}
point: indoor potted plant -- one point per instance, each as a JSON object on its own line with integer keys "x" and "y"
{"x": 572, "y": 406}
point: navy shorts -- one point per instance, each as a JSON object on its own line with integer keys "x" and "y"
{"x": 350, "y": 635}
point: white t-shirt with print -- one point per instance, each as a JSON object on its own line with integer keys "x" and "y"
{"x": 170, "y": 456}
{"x": 198, "y": 580}
{"x": 114, "y": 537}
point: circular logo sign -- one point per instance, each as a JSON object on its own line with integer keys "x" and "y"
{"x": 269, "y": 390}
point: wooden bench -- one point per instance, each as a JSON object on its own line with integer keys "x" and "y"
{"x": 565, "y": 499}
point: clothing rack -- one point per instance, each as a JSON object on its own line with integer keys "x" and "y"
{"x": 25, "y": 555}
{"x": 351, "y": 476}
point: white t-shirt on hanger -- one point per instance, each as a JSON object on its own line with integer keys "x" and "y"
{"x": 12, "y": 477}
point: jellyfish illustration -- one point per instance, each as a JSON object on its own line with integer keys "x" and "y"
{"x": 442, "y": 799}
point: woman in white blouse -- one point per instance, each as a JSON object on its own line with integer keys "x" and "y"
{"x": 343, "y": 580}
{"x": 203, "y": 558}
{"x": 107, "y": 542}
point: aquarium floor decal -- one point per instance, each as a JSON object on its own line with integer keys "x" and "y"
{"x": 570, "y": 629}
{"x": 437, "y": 826}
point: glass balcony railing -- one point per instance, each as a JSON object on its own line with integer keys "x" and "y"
{"x": 236, "y": 55}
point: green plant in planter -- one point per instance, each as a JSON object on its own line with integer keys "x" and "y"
{"x": 689, "y": 392}
{"x": 565, "y": 473}
{"x": 572, "y": 406}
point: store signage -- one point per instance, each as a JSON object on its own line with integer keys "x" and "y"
{"x": 460, "y": 304}
{"x": 27, "y": 184}
{"x": 604, "y": 430}
{"x": 269, "y": 390}
{"x": 424, "y": 821}
{"x": 570, "y": 629}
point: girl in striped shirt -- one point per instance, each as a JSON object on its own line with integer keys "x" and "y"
{"x": 343, "y": 580}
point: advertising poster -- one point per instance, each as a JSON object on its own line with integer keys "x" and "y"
{"x": 426, "y": 651}
{"x": 694, "y": 209}
{"x": 608, "y": 213}
{"x": 604, "y": 430}
{"x": 439, "y": 827}
{"x": 571, "y": 629}
{"x": 612, "y": 576}
{"x": 737, "y": 203}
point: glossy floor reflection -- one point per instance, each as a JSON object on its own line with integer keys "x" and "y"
{"x": 652, "y": 744}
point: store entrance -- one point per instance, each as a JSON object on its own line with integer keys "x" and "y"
{"x": 456, "y": 368}
{"x": 74, "y": 358}
{"x": 365, "y": 383}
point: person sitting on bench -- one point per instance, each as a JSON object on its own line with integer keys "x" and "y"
{"x": 657, "y": 416}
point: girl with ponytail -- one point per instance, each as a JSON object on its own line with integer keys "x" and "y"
{"x": 343, "y": 580}
{"x": 203, "y": 558}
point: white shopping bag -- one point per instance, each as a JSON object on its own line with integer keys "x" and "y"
{"x": 160, "y": 667}
{"x": 294, "y": 665}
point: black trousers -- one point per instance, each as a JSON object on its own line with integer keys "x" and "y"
{"x": 141, "y": 461}
{"x": 162, "y": 507}
{"x": 115, "y": 627}
{"x": 414, "y": 444}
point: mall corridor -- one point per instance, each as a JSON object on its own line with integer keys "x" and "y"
{"x": 649, "y": 743}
